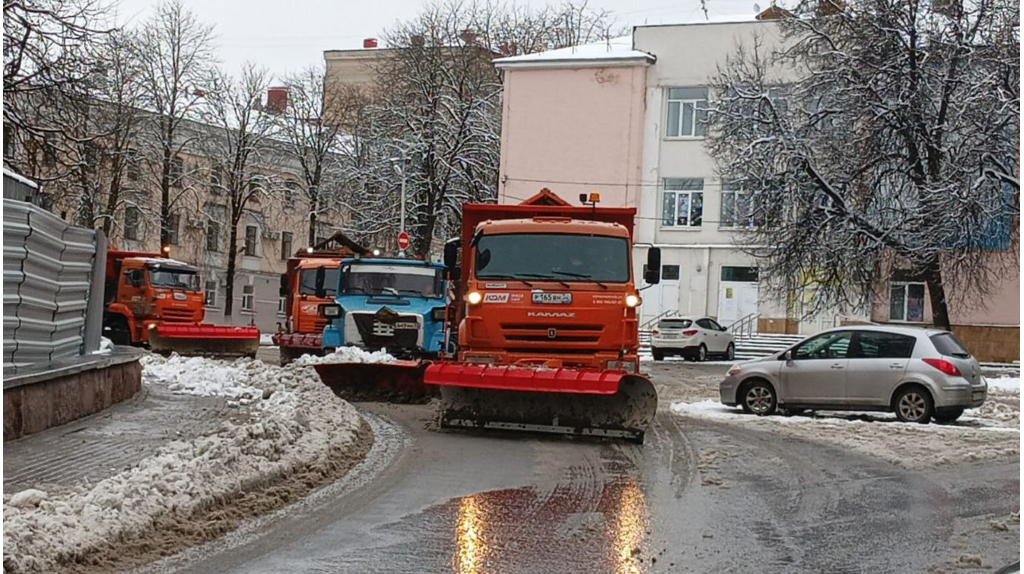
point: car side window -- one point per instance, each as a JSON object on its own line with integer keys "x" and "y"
{"x": 704, "y": 324}
{"x": 714, "y": 325}
{"x": 881, "y": 345}
{"x": 825, "y": 346}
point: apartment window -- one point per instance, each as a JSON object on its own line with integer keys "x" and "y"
{"x": 286, "y": 244}
{"x": 49, "y": 152}
{"x": 282, "y": 305}
{"x": 742, "y": 274}
{"x": 132, "y": 220}
{"x": 687, "y": 112}
{"x": 215, "y": 217}
{"x": 682, "y": 202}
{"x": 291, "y": 190}
{"x": 173, "y": 222}
{"x": 8, "y": 140}
{"x": 177, "y": 170}
{"x": 906, "y": 301}
{"x": 134, "y": 164}
{"x": 210, "y": 293}
{"x": 248, "y": 297}
{"x": 738, "y": 208}
{"x": 216, "y": 179}
{"x": 251, "y": 233}
{"x": 254, "y": 188}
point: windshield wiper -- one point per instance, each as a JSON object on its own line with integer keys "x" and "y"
{"x": 360, "y": 289}
{"x": 580, "y": 276}
{"x": 540, "y": 276}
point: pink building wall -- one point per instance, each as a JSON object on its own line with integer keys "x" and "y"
{"x": 568, "y": 128}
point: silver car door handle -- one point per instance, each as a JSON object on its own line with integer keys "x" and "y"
{"x": 895, "y": 366}
{"x": 837, "y": 366}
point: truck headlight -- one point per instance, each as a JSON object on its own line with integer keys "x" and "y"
{"x": 632, "y": 300}
{"x": 474, "y": 297}
{"x": 437, "y": 313}
{"x": 330, "y": 310}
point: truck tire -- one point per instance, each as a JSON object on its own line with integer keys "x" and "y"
{"x": 116, "y": 329}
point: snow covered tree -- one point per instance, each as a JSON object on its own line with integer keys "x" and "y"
{"x": 240, "y": 147}
{"x": 895, "y": 146}
{"x": 311, "y": 125}
{"x": 176, "y": 56}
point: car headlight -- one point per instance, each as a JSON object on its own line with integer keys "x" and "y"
{"x": 437, "y": 313}
{"x": 330, "y": 310}
{"x": 735, "y": 370}
{"x": 632, "y": 300}
{"x": 474, "y": 297}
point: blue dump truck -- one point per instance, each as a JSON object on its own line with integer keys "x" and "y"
{"x": 393, "y": 304}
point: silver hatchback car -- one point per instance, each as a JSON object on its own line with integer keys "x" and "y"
{"x": 916, "y": 373}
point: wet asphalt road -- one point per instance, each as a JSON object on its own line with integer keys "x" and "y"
{"x": 698, "y": 497}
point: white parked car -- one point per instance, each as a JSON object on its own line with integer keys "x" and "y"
{"x": 693, "y": 338}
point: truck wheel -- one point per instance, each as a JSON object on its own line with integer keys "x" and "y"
{"x": 116, "y": 329}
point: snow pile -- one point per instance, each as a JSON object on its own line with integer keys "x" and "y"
{"x": 300, "y": 423}
{"x": 348, "y": 355}
{"x": 1004, "y": 383}
{"x": 989, "y": 432}
{"x": 106, "y": 347}
{"x": 197, "y": 376}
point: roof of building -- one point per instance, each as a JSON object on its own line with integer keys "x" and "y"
{"x": 614, "y": 51}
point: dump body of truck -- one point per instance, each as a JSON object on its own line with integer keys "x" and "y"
{"x": 156, "y": 301}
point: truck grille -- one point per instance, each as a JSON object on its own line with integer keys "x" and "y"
{"x": 532, "y": 332}
{"x": 179, "y": 315}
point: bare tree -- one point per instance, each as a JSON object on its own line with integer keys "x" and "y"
{"x": 316, "y": 115}
{"x": 240, "y": 146}
{"x": 176, "y": 55}
{"x": 895, "y": 145}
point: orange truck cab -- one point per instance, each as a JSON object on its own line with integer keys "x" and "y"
{"x": 310, "y": 282}
{"x": 144, "y": 290}
{"x": 548, "y": 284}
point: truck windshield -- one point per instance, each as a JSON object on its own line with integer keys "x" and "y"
{"x": 170, "y": 278}
{"x": 418, "y": 281}
{"x": 307, "y": 281}
{"x": 556, "y": 256}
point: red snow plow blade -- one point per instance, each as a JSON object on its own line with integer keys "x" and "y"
{"x": 204, "y": 340}
{"x": 561, "y": 400}
{"x": 397, "y": 381}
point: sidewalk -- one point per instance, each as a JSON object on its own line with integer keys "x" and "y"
{"x": 111, "y": 441}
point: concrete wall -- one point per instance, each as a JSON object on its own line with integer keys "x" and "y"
{"x": 573, "y": 130}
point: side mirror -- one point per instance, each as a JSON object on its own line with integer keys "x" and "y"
{"x": 283, "y": 291}
{"x": 319, "y": 289}
{"x": 451, "y": 258}
{"x": 787, "y": 356}
{"x": 653, "y": 274}
{"x": 134, "y": 277}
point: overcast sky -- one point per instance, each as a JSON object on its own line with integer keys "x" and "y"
{"x": 288, "y": 35}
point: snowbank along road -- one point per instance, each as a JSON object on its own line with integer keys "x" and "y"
{"x": 703, "y": 495}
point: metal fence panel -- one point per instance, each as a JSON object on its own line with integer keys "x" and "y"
{"x": 48, "y": 267}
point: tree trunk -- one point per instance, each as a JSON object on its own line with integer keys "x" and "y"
{"x": 313, "y": 206}
{"x": 113, "y": 197}
{"x": 937, "y": 295}
{"x": 165, "y": 196}
{"x": 229, "y": 290}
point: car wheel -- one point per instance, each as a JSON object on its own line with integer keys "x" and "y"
{"x": 702, "y": 353}
{"x": 759, "y": 398}
{"x": 948, "y": 415}
{"x": 730, "y": 352}
{"x": 658, "y": 355}
{"x": 914, "y": 405}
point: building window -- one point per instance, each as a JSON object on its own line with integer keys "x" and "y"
{"x": 282, "y": 305}
{"x": 906, "y": 302}
{"x": 687, "y": 112}
{"x": 173, "y": 221}
{"x": 286, "y": 244}
{"x": 251, "y": 233}
{"x": 248, "y": 297}
{"x": 216, "y": 180}
{"x": 291, "y": 190}
{"x": 738, "y": 209}
{"x": 254, "y": 188}
{"x": 134, "y": 164}
{"x": 213, "y": 236}
{"x": 8, "y": 140}
{"x": 177, "y": 170}
{"x": 132, "y": 219}
{"x": 683, "y": 202}
{"x": 210, "y": 293}
{"x": 670, "y": 272}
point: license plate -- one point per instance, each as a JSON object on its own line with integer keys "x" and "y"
{"x": 977, "y": 395}
{"x": 180, "y": 297}
{"x": 557, "y": 298}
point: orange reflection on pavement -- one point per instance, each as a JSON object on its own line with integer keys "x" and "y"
{"x": 471, "y": 546}
{"x": 629, "y": 526}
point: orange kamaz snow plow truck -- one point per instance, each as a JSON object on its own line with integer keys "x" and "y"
{"x": 547, "y": 321}
{"x": 156, "y": 301}
{"x": 310, "y": 282}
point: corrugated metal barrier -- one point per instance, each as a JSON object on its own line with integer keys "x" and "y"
{"x": 48, "y": 277}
